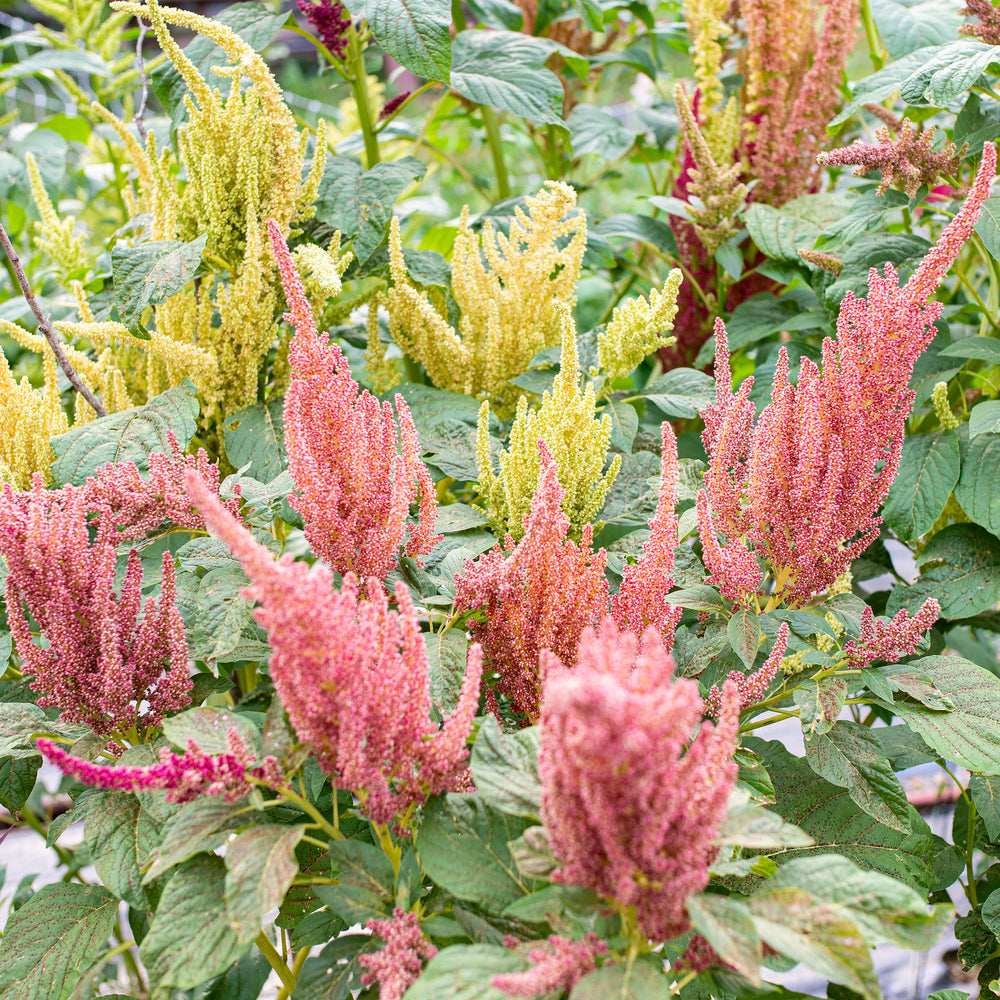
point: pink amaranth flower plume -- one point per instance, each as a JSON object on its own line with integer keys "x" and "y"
{"x": 184, "y": 776}
{"x": 538, "y": 594}
{"x": 355, "y": 486}
{"x": 352, "y": 674}
{"x": 987, "y": 28}
{"x": 330, "y": 21}
{"x": 398, "y": 964}
{"x": 634, "y": 784}
{"x": 800, "y": 487}
{"x": 110, "y": 663}
{"x": 558, "y": 964}
{"x": 890, "y": 640}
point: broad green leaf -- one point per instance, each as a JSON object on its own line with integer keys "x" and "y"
{"x": 948, "y": 71}
{"x": 765, "y": 314}
{"x": 928, "y": 472}
{"x": 624, "y": 424}
{"x": 836, "y": 824}
{"x": 242, "y": 981}
{"x": 221, "y": 613}
{"x": 592, "y": 130}
{"x": 643, "y": 981}
{"x": 359, "y": 202}
{"x": 260, "y": 866}
{"x": 638, "y": 228}
{"x": 446, "y": 660}
{"x": 850, "y": 757}
{"x": 980, "y": 348}
{"x": 415, "y": 33}
{"x": 498, "y": 13}
{"x": 20, "y": 722}
{"x": 759, "y": 829}
{"x": 700, "y": 597}
{"x": 682, "y": 392}
{"x": 964, "y": 573}
{"x": 459, "y": 517}
{"x": 985, "y": 792}
{"x": 129, "y": 436}
{"x": 50, "y": 941}
{"x": 985, "y": 419}
{"x": 465, "y": 972}
{"x": 68, "y": 60}
{"x": 728, "y": 927}
{"x": 917, "y": 685}
{"x": 462, "y": 845}
{"x": 209, "y": 727}
{"x": 744, "y": 636}
{"x": 120, "y": 835}
{"x": 876, "y": 88}
{"x": 334, "y": 974}
{"x": 255, "y": 436}
{"x": 988, "y": 228}
{"x": 201, "y": 825}
{"x": 506, "y": 70}
{"x": 781, "y": 233}
{"x": 903, "y": 747}
{"x": 17, "y": 779}
{"x": 150, "y": 273}
{"x": 820, "y": 703}
{"x": 977, "y": 486}
{"x": 907, "y": 25}
{"x": 190, "y": 938}
{"x": 505, "y": 769}
{"x": 753, "y": 778}
{"x": 873, "y": 250}
{"x": 367, "y": 882}
{"x": 970, "y": 735}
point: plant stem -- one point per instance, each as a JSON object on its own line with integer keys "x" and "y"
{"x": 45, "y": 326}
{"x": 871, "y": 34}
{"x": 300, "y": 960}
{"x": 310, "y": 810}
{"x": 276, "y": 962}
{"x": 359, "y": 84}
{"x": 492, "y": 126}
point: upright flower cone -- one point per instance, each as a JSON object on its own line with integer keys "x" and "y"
{"x": 355, "y": 488}
{"x": 352, "y": 674}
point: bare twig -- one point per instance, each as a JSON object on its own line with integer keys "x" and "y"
{"x": 45, "y": 325}
{"x": 141, "y": 66}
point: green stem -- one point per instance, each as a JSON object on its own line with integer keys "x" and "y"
{"x": 300, "y": 960}
{"x": 310, "y": 810}
{"x": 276, "y": 962}
{"x": 391, "y": 850}
{"x": 359, "y": 84}
{"x": 875, "y": 52}
{"x": 492, "y": 125}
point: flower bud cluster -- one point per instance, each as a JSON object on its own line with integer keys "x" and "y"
{"x": 397, "y": 965}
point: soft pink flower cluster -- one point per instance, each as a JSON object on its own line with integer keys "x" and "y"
{"x": 909, "y": 161}
{"x": 110, "y": 662}
{"x": 355, "y": 487}
{"x": 634, "y": 784}
{"x": 890, "y": 640}
{"x": 543, "y": 592}
{"x": 184, "y": 776}
{"x": 987, "y": 29}
{"x": 330, "y": 21}
{"x": 558, "y": 965}
{"x": 397, "y": 965}
{"x": 538, "y": 594}
{"x": 800, "y": 487}
{"x": 751, "y": 687}
{"x": 352, "y": 674}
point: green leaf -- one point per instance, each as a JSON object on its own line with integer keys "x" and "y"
{"x": 505, "y": 769}
{"x": 781, "y": 232}
{"x": 465, "y": 972}
{"x": 592, "y": 130}
{"x": 643, "y": 981}
{"x": 17, "y": 779}
{"x": 367, "y": 882}
{"x": 462, "y": 845}
{"x": 947, "y": 71}
{"x": 70, "y": 60}
{"x": 50, "y": 941}
{"x": 624, "y": 424}
{"x": 917, "y": 685}
{"x": 255, "y": 436}
{"x": 129, "y": 436}
{"x": 976, "y": 490}
{"x": 970, "y": 735}
{"x": 201, "y": 825}
{"x": 150, "y": 273}
{"x": 964, "y": 576}
{"x": 903, "y": 747}
{"x": 991, "y": 911}
{"x": 457, "y": 517}
{"x": 242, "y": 981}
{"x": 837, "y": 824}
{"x": 506, "y": 70}
{"x": 190, "y": 938}
{"x": 765, "y": 314}
{"x": 744, "y": 636}
{"x": 334, "y": 974}
{"x": 260, "y": 866}
{"x": 21, "y": 722}
{"x": 907, "y": 25}
{"x": 985, "y": 792}
{"x": 446, "y": 656}
{"x": 700, "y": 597}
{"x": 682, "y": 392}
{"x": 728, "y": 927}
{"x": 928, "y": 472}
{"x": 850, "y": 757}
{"x": 988, "y": 228}
{"x": 985, "y": 419}
{"x": 415, "y": 33}
{"x": 979, "y": 348}
{"x": 359, "y": 202}
{"x": 208, "y": 727}
{"x": 820, "y": 703}
{"x": 876, "y": 88}
{"x": 222, "y": 613}
{"x": 639, "y": 228}
{"x": 120, "y": 835}
{"x": 754, "y": 827}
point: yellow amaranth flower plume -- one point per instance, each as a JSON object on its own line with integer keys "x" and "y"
{"x": 576, "y": 439}
{"x": 56, "y": 237}
{"x": 509, "y": 303}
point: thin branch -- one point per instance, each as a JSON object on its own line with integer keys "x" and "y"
{"x": 141, "y": 66}
{"x": 45, "y": 325}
